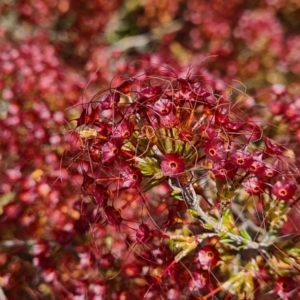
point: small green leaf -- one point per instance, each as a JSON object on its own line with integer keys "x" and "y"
{"x": 226, "y": 241}
{"x": 208, "y": 226}
{"x": 149, "y": 167}
{"x": 178, "y": 197}
{"x": 245, "y": 234}
{"x": 175, "y": 193}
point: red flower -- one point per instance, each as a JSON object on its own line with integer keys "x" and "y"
{"x": 215, "y": 149}
{"x": 241, "y": 159}
{"x": 284, "y": 190}
{"x": 253, "y": 186}
{"x": 224, "y": 170}
{"x": 172, "y": 164}
{"x": 109, "y": 152}
{"x": 285, "y": 287}
{"x": 208, "y": 257}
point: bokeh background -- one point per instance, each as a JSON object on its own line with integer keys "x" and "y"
{"x": 55, "y": 54}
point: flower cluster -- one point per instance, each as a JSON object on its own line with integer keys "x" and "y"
{"x": 39, "y": 215}
{"x": 160, "y": 131}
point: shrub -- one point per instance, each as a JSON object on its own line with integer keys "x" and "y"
{"x": 198, "y": 193}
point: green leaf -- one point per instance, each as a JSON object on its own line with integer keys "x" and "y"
{"x": 245, "y": 234}
{"x": 149, "y": 167}
{"x": 207, "y": 226}
{"x": 177, "y": 195}
{"x": 226, "y": 241}
{"x": 228, "y": 222}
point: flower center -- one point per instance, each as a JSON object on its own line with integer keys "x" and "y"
{"x": 173, "y": 165}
